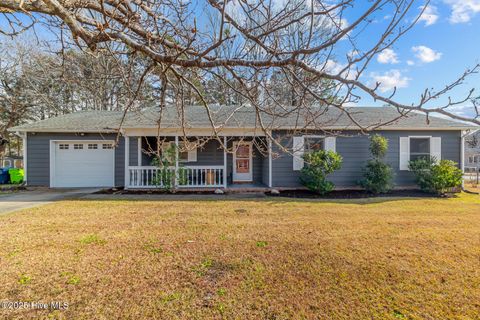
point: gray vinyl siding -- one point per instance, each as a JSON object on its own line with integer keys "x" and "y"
{"x": 120, "y": 163}
{"x": 265, "y": 170}
{"x": 133, "y": 152}
{"x": 38, "y": 155}
{"x": 354, "y": 150}
{"x": 210, "y": 154}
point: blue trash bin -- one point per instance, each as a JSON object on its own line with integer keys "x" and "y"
{"x": 4, "y": 176}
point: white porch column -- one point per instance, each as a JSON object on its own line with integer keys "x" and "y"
{"x": 176, "y": 161}
{"x": 269, "y": 162}
{"x": 225, "y": 162}
{"x": 127, "y": 162}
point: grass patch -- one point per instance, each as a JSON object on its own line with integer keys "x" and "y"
{"x": 24, "y": 279}
{"x": 280, "y": 259}
{"x": 153, "y": 249}
{"x": 91, "y": 239}
{"x": 261, "y": 244}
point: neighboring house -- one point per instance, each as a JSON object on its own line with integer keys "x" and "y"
{"x": 11, "y": 162}
{"x": 82, "y": 150}
{"x": 472, "y": 152}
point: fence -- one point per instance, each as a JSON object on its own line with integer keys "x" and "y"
{"x": 471, "y": 176}
{"x": 11, "y": 163}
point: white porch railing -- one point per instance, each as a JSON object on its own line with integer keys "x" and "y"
{"x": 186, "y": 177}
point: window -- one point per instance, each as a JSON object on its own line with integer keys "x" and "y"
{"x": 77, "y": 146}
{"x": 63, "y": 146}
{"x": 470, "y": 159}
{"x": 182, "y": 152}
{"x": 92, "y": 146}
{"x": 185, "y": 153}
{"x": 314, "y": 144}
{"x": 107, "y": 146}
{"x": 476, "y": 159}
{"x": 419, "y": 148}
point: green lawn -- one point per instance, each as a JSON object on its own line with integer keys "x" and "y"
{"x": 263, "y": 259}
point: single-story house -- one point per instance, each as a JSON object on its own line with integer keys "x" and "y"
{"x": 108, "y": 149}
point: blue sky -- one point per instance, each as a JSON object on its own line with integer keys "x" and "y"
{"x": 444, "y": 43}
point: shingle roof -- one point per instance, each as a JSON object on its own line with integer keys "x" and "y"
{"x": 242, "y": 117}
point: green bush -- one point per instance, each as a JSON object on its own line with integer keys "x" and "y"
{"x": 436, "y": 178}
{"x": 377, "y": 175}
{"x": 318, "y": 165}
{"x": 378, "y": 146}
{"x": 165, "y": 176}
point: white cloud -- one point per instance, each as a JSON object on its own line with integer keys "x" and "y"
{"x": 463, "y": 10}
{"x": 462, "y": 110}
{"x": 410, "y": 62}
{"x": 387, "y": 56}
{"x": 390, "y": 80}
{"x": 334, "y": 67}
{"x": 344, "y": 23}
{"x": 429, "y": 15}
{"x": 425, "y": 54}
{"x": 353, "y": 54}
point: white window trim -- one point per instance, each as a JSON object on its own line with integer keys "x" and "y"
{"x": 167, "y": 145}
{"x": 81, "y": 146}
{"x": 305, "y": 137}
{"x": 409, "y": 153}
{"x": 298, "y": 162}
{"x": 419, "y": 137}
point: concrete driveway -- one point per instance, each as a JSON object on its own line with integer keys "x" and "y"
{"x": 37, "y": 197}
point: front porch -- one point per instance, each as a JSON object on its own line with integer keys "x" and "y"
{"x": 245, "y": 164}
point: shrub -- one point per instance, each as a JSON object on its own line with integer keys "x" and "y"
{"x": 377, "y": 175}
{"x": 318, "y": 165}
{"x": 378, "y": 146}
{"x": 436, "y": 178}
{"x": 165, "y": 177}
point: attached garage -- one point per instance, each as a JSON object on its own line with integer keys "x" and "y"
{"x": 82, "y": 163}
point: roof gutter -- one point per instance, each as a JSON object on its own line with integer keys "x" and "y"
{"x": 338, "y": 128}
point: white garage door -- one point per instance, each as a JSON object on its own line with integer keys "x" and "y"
{"x": 83, "y": 164}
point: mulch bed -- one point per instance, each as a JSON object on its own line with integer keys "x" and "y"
{"x": 12, "y": 187}
{"x": 302, "y": 194}
{"x": 353, "y": 194}
{"x": 150, "y": 191}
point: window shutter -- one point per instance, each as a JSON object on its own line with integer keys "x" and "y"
{"x": 192, "y": 155}
{"x": 330, "y": 144}
{"x": 436, "y": 148}
{"x": 298, "y": 148}
{"x": 404, "y": 152}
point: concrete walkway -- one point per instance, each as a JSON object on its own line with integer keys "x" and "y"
{"x": 37, "y": 197}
